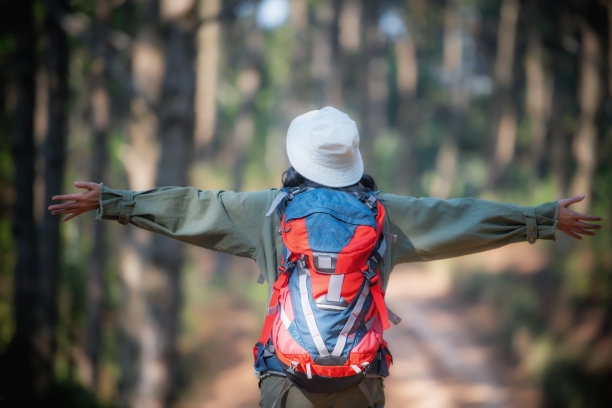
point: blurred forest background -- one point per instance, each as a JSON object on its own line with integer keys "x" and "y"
{"x": 506, "y": 100}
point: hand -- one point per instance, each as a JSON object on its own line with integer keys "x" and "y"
{"x": 79, "y": 203}
{"x": 572, "y": 222}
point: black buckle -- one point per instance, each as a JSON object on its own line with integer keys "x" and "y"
{"x": 370, "y": 202}
{"x": 286, "y": 266}
{"x": 370, "y": 275}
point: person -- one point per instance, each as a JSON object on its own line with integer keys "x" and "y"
{"x": 323, "y": 150}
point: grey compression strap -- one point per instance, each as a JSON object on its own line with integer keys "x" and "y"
{"x": 310, "y": 320}
{"x": 393, "y": 318}
{"x": 351, "y": 320}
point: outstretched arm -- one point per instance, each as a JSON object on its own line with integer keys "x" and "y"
{"x": 223, "y": 221}
{"x": 572, "y": 222}
{"x": 431, "y": 228}
{"x": 79, "y": 203}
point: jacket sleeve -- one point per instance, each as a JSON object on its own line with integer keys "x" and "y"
{"x": 432, "y": 228}
{"x": 223, "y": 221}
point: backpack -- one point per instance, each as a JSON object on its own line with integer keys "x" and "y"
{"x": 324, "y": 325}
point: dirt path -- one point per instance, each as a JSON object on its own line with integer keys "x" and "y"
{"x": 438, "y": 363}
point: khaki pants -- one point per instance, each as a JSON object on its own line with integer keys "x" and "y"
{"x": 294, "y": 397}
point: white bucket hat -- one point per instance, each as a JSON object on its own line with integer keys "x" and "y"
{"x": 323, "y": 146}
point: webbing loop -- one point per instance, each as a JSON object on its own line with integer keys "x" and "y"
{"x": 126, "y": 207}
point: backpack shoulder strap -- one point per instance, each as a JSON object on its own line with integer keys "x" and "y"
{"x": 286, "y": 194}
{"x": 368, "y": 199}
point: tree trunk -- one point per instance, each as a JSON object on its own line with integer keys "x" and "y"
{"x": 348, "y": 54}
{"x": 504, "y": 112}
{"x": 590, "y": 85}
{"x": 334, "y": 94}
{"x": 140, "y": 379}
{"x": 248, "y": 81}
{"x": 207, "y": 73}
{"x": 539, "y": 87}
{"x": 176, "y": 137}
{"x": 407, "y": 79}
{"x": 446, "y": 161}
{"x": 56, "y": 63}
{"x": 321, "y": 59}
{"x": 100, "y": 108}
{"x": 26, "y": 374}
{"x": 373, "y": 82}
{"x": 609, "y": 51}
{"x": 298, "y": 73}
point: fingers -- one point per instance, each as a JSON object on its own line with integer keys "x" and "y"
{"x": 588, "y": 217}
{"x": 63, "y": 211}
{"x": 78, "y": 203}
{"x": 577, "y": 229}
{"x": 572, "y": 222}
{"x": 66, "y": 197}
{"x": 570, "y": 232}
{"x": 64, "y": 206}
{"x": 86, "y": 184}
{"x": 79, "y": 184}
{"x": 576, "y": 215}
{"x": 572, "y": 200}
{"x": 584, "y": 231}
{"x": 580, "y": 224}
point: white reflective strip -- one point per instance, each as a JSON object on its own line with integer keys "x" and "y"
{"x": 356, "y": 368}
{"x": 332, "y": 307}
{"x": 310, "y": 320}
{"x": 351, "y": 320}
{"x": 308, "y": 371}
{"x": 285, "y": 318}
{"x": 335, "y": 288}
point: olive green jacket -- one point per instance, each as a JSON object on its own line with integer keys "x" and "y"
{"x": 423, "y": 229}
